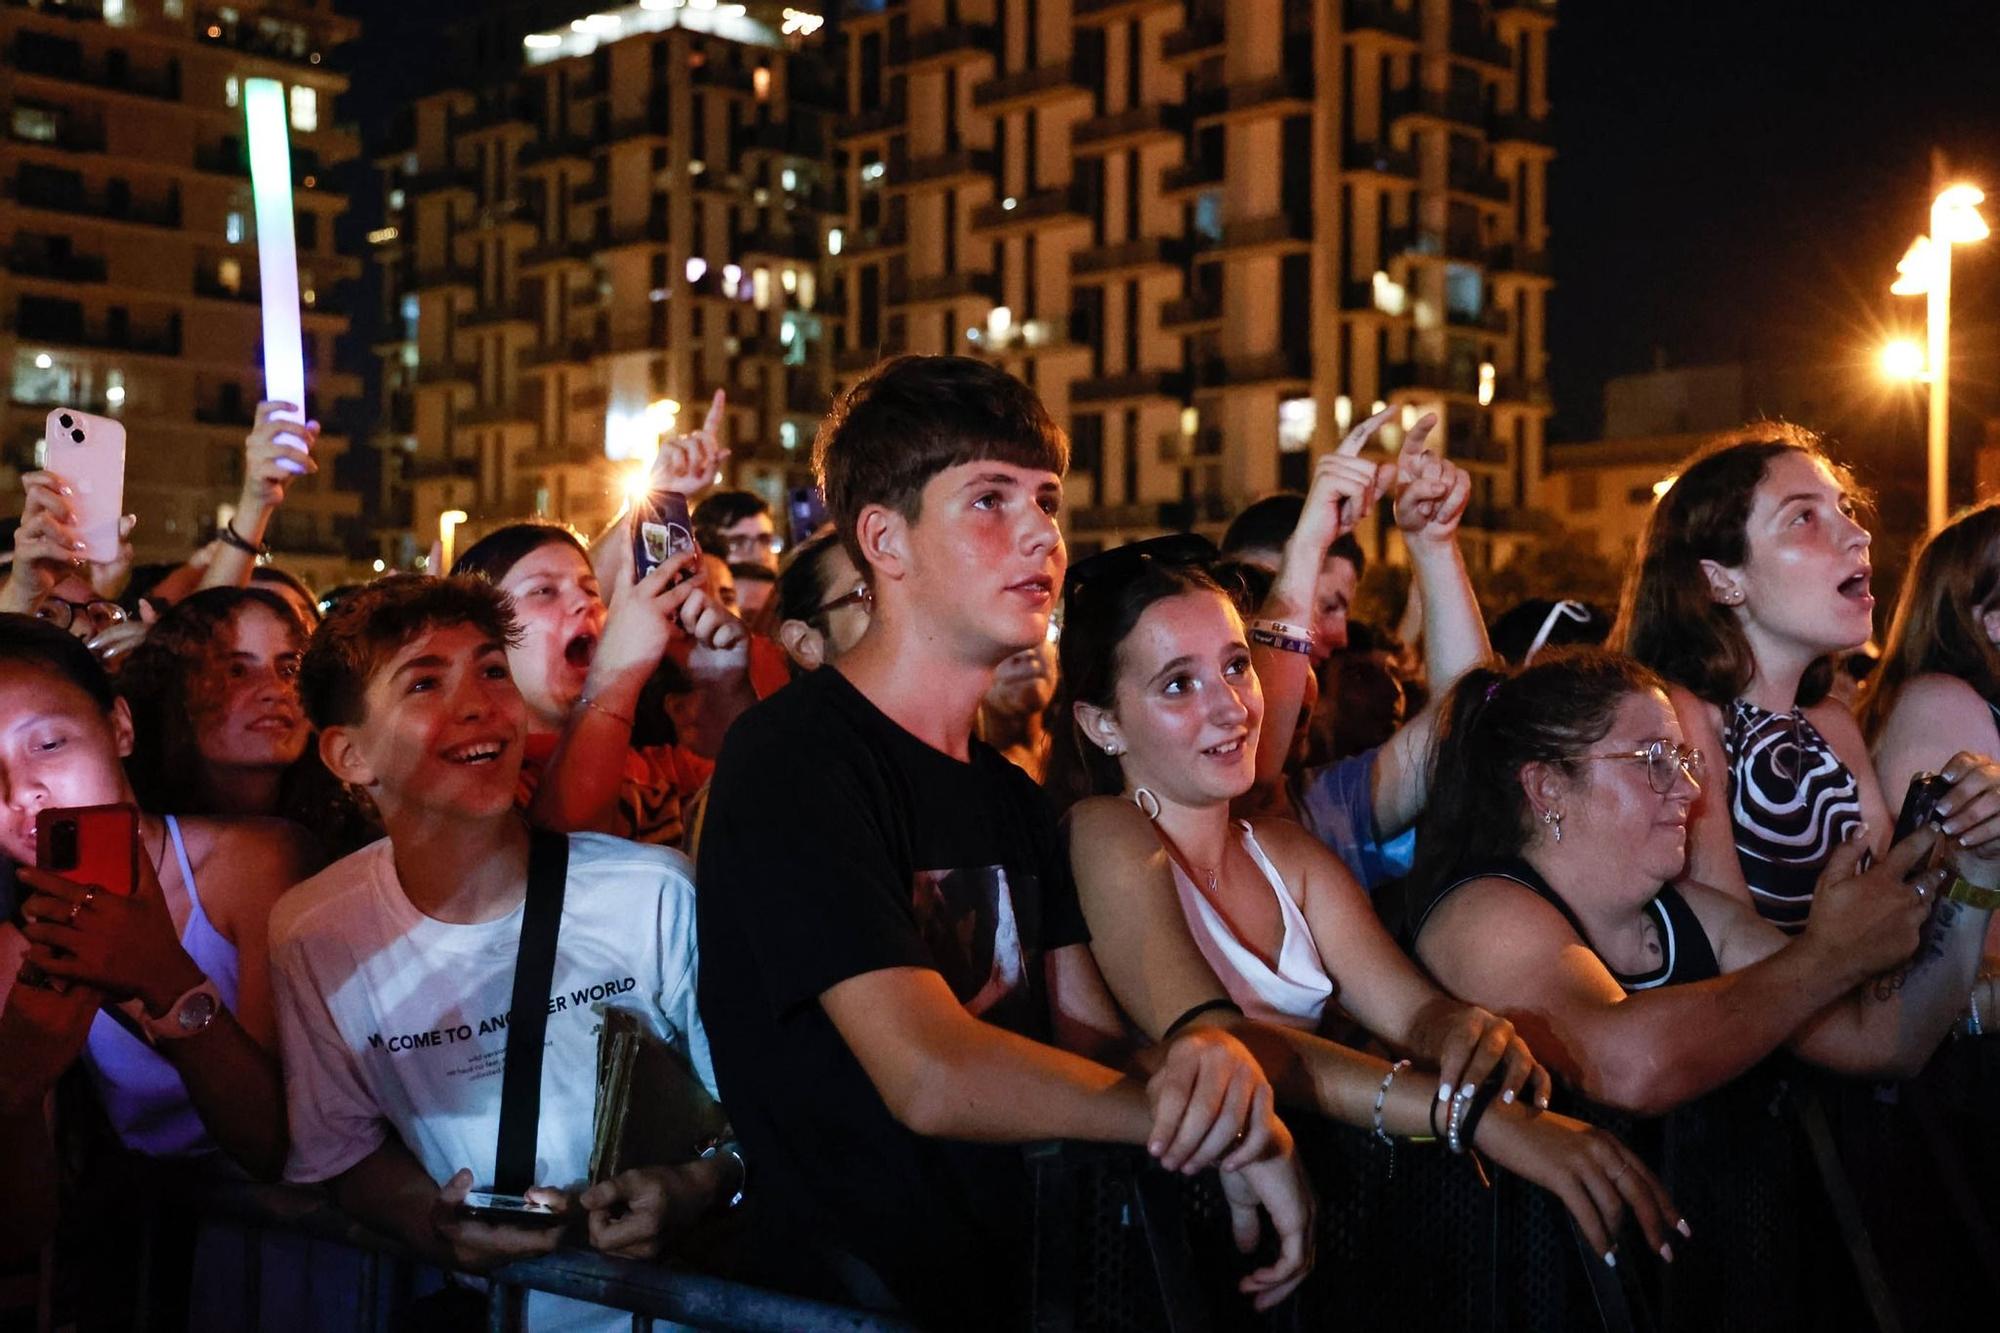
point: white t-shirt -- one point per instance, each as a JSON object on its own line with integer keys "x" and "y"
{"x": 388, "y": 1018}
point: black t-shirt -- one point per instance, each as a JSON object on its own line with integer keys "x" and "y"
{"x": 838, "y": 844}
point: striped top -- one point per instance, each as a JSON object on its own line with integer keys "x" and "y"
{"x": 1791, "y": 802}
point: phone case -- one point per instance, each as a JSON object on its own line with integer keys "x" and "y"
{"x": 661, "y": 530}
{"x": 88, "y": 452}
{"x": 100, "y": 846}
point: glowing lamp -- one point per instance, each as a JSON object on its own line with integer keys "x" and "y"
{"x": 1903, "y": 359}
{"x": 277, "y": 250}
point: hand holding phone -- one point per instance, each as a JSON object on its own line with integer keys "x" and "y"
{"x": 94, "y": 849}
{"x": 662, "y": 528}
{"x": 1920, "y": 801}
{"x": 88, "y": 453}
{"x": 491, "y": 1232}
{"x": 514, "y": 1210}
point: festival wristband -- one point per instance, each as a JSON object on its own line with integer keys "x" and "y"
{"x": 1981, "y": 900}
{"x": 1282, "y": 642}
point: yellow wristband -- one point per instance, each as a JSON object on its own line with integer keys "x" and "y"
{"x": 1983, "y": 900}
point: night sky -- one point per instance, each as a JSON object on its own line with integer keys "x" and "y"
{"x": 1735, "y": 177}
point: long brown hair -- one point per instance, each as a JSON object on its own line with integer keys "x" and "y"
{"x": 1954, "y": 578}
{"x": 1667, "y": 617}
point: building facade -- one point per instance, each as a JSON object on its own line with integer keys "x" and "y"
{"x": 624, "y": 215}
{"x": 128, "y": 261}
{"x": 1212, "y": 235}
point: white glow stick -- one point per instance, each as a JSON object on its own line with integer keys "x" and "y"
{"x": 277, "y": 250}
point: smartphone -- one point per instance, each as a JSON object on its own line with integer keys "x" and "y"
{"x": 97, "y": 845}
{"x": 509, "y": 1210}
{"x": 661, "y": 529}
{"x": 88, "y": 452}
{"x": 807, "y": 511}
{"x": 1920, "y": 808}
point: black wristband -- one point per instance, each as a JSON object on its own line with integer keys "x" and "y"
{"x": 1480, "y": 1101}
{"x": 1205, "y": 1007}
{"x": 231, "y": 537}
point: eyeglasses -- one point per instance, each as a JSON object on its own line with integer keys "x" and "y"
{"x": 99, "y": 614}
{"x": 859, "y": 595}
{"x": 1665, "y": 763}
{"x": 1179, "y": 550}
{"x": 746, "y": 545}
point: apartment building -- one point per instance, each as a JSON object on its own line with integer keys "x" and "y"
{"x": 1212, "y": 234}
{"x": 128, "y": 258}
{"x": 624, "y": 215}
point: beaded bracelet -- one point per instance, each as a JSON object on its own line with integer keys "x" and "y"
{"x": 1382, "y": 1096}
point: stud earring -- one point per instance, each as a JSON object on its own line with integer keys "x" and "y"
{"x": 1554, "y": 819}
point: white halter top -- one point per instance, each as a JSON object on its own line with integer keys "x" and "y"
{"x": 1295, "y": 992}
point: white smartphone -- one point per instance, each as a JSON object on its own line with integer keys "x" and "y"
{"x": 508, "y": 1210}
{"x": 88, "y": 452}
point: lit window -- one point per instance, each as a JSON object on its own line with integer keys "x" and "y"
{"x": 232, "y": 91}
{"x": 1190, "y": 421}
{"x": 114, "y": 11}
{"x": 789, "y": 279}
{"x": 229, "y": 275}
{"x": 114, "y": 387}
{"x": 760, "y": 82}
{"x": 786, "y": 332}
{"x": 806, "y": 290}
{"x": 232, "y": 227}
{"x": 696, "y": 267}
{"x": 396, "y": 198}
{"x": 34, "y": 124}
{"x": 760, "y": 288}
{"x": 305, "y": 109}
{"x": 1487, "y": 378}
{"x": 174, "y": 9}
{"x": 43, "y": 361}
{"x": 788, "y": 179}
{"x": 1297, "y": 419}
{"x": 1343, "y": 412}
{"x": 874, "y": 171}
{"x": 833, "y": 239}
{"x": 788, "y": 434}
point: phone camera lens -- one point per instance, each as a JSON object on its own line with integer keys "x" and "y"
{"x": 67, "y": 420}
{"x": 76, "y": 435}
{"x": 62, "y": 845}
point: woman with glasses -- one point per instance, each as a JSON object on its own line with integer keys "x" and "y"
{"x": 821, "y": 603}
{"x": 1191, "y": 912}
{"x": 48, "y": 579}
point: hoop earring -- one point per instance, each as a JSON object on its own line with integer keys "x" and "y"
{"x": 1554, "y": 819}
{"x": 1149, "y": 804}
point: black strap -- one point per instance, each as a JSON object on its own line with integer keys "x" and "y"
{"x": 528, "y": 1021}
{"x": 1205, "y": 1007}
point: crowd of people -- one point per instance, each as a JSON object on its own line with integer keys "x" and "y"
{"x": 927, "y": 842}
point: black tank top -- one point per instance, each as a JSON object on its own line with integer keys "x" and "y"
{"x": 1688, "y": 954}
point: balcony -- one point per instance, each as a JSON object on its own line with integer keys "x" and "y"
{"x": 495, "y": 314}
{"x": 1128, "y": 257}
{"x": 1197, "y": 310}
{"x": 945, "y": 289}
{"x": 1193, "y": 176}
{"x": 66, "y": 327}
{"x": 1285, "y": 94}
{"x": 223, "y": 413}
{"x": 431, "y": 374}
{"x": 778, "y": 243}
{"x": 860, "y": 241}
{"x": 69, "y": 137}
{"x": 1193, "y": 42}
{"x": 875, "y": 121}
{"x": 1396, "y": 165}
{"x": 1430, "y": 104}
{"x": 1479, "y": 182}
{"x": 963, "y": 167}
{"x": 1091, "y": 13}
{"x": 1287, "y": 366}
{"x": 1520, "y": 259}
{"x": 1384, "y": 19}
{"x": 726, "y": 77}
{"x": 804, "y": 394}
{"x": 1044, "y": 208}
{"x": 558, "y": 252}
{"x": 445, "y": 275}
{"x": 1131, "y": 387}
{"x": 1493, "y": 319}
{"x": 567, "y": 352}
{"x": 417, "y": 468}
{"x": 55, "y": 268}
{"x": 1476, "y": 44}
{"x": 1459, "y": 378}
{"x": 507, "y": 412}
{"x": 797, "y": 137}
{"x": 67, "y": 195}
{"x": 442, "y": 180}
{"x": 952, "y": 44}
{"x": 1274, "y": 233}
{"x": 1030, "y": 87}
{"x": 653, "y": 231}
{"x": 1129, "y": 128}
{"x": 650, "y": 123}
{"x": 207, "y": 284}
{"x": 1518, "y": 127}
{"x": 64, "y": 61}
{"x": 556, "y": 148}
{"x": 1423, "y": 243}
{"x": 1521, "y": 389}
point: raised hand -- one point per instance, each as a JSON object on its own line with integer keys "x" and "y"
{"x": 1430, "y": 491}
{"x": 276, "y": 452}
{"x": 688, "y": 463}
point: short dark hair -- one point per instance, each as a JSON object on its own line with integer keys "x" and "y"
{"x": 366, "y": 630}
{"x": 1266, "y": 525}
{"x": 501, "y": 549}
{"x": 915, "y": 416}
{"x": 724, "y": 509}
{"x": 802, "y": 586}
{"x": 30, "y": 641}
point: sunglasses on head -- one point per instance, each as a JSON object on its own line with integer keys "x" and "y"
{"x": 1178, "y": 550}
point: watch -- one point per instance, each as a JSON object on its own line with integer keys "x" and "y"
{"x": 188, "y": 1016}
{"x": 1982, "y": 900}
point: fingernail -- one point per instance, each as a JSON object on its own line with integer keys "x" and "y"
{"x": 1685, "y": 1230}
{"x": 1508, "y": 1097}
{"x": 1542, "y": 1102}
{"x": 1444, "y": 1092}
{"x": 1666, "y": 1252}
{"x": 1610, "y": 1259}
{"x": 1153, "y": 1148}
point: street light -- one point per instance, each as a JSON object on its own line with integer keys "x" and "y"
{"x": 448, "y": 523}
{"x": 1903, "y": 359}
{"x": 1925, "y": 270}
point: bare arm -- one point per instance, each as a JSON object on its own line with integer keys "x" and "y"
{"x": 268, "y": 464}
{"x": 1495, "y": 942}
{"x": 1711, "y": 859}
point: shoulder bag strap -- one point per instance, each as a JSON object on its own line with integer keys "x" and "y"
{"x": 528, "y": 1020}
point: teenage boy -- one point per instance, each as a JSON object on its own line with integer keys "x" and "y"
{"x": 897, "y": 983}
{"x": 394, "y": 968}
